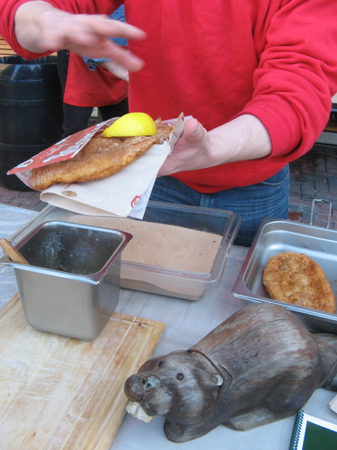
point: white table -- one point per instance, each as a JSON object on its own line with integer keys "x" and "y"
{"x": 186, "y": 323}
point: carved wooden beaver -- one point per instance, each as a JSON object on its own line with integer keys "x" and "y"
{"x": 259, "y": 366}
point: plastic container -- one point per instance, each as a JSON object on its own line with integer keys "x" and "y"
{"x": 178, "y": 283}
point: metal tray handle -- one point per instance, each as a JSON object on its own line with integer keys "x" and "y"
{"x": 312, "y": 210}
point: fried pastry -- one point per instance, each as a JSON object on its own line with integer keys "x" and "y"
{"x": 99, "y": 158}
{"x": 297, "y": 279}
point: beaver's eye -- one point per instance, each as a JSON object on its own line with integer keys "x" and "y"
{"x": 160, "y": 364}
{"x": 179, "y": 376}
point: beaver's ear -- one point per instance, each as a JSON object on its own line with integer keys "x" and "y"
{"x": 216, "y": 379}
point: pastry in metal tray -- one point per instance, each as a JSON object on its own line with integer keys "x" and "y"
{"x": 296, "y": 278}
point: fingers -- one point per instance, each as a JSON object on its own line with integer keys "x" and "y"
{"x": 123, "y": 57}
{"x": 109, "y": 50}
{"x": 89, "y": 36}
{"x": 40, "y": 28}
{"x": 116, "y": 69}
{"x": 94, "y": 29}
{"x": 194, "y": 131}
{"x": 114, "y": 28}
{"x": 190, "y": 152}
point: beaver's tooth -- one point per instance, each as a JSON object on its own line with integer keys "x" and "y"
{"x": 138, "y": 412}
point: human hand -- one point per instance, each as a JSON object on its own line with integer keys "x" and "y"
{"x": 39, "y": 27}
{"x": 116, "y": 69}
{"x": 191, "y": 152}
{"x": 243, "y": 138}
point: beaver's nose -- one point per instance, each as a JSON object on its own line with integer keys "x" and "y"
{"x": 132, "y": 388}
{"x": 136, "y": 385}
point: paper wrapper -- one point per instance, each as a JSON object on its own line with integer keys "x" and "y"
{"x": 126, "y": 193}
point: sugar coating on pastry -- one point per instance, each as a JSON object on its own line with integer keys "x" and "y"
{"x": 297, "y": 279}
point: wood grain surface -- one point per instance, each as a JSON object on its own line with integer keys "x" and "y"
{"x": 5, "y": 49}
{"x": 63, "y": 393}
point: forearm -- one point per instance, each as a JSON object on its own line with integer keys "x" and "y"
{"x": 243, "y": 138}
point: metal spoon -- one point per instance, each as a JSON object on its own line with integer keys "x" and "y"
{"x": 12, "y": 252}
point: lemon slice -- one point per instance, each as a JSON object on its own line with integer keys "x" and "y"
{"x": 132, "y": 124}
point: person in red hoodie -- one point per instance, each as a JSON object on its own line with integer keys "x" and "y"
{"x": 78, "y": 106}
{"x": 256, "y": 75}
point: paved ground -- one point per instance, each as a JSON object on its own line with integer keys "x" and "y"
{"x": 314, "y": 176}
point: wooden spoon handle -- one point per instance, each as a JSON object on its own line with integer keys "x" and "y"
{"x": 12, "y": 252}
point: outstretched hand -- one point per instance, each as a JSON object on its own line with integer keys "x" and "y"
{"x": 39, "y": 27}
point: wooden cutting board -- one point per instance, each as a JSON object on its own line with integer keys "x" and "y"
{"x": 62, "y": 393}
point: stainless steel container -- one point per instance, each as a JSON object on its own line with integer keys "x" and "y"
{"x": 277, "y": 236}
{"x": 71, "y": 285}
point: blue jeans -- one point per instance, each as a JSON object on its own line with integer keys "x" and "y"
{"x": 253, "y": 203}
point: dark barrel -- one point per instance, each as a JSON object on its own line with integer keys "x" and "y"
{"x": 30, "y": 112}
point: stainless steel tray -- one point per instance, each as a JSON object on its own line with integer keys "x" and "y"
{"x": 276, "y": 236}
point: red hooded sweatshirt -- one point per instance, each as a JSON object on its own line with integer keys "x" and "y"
{"x": 274, "y": 59}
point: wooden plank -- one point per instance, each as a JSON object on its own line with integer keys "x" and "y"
{"x": 5, "y": 49}
{"x": 4, "y": 53}
{"x": 331, "y": 126}
{"x": 62, "y": 393}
